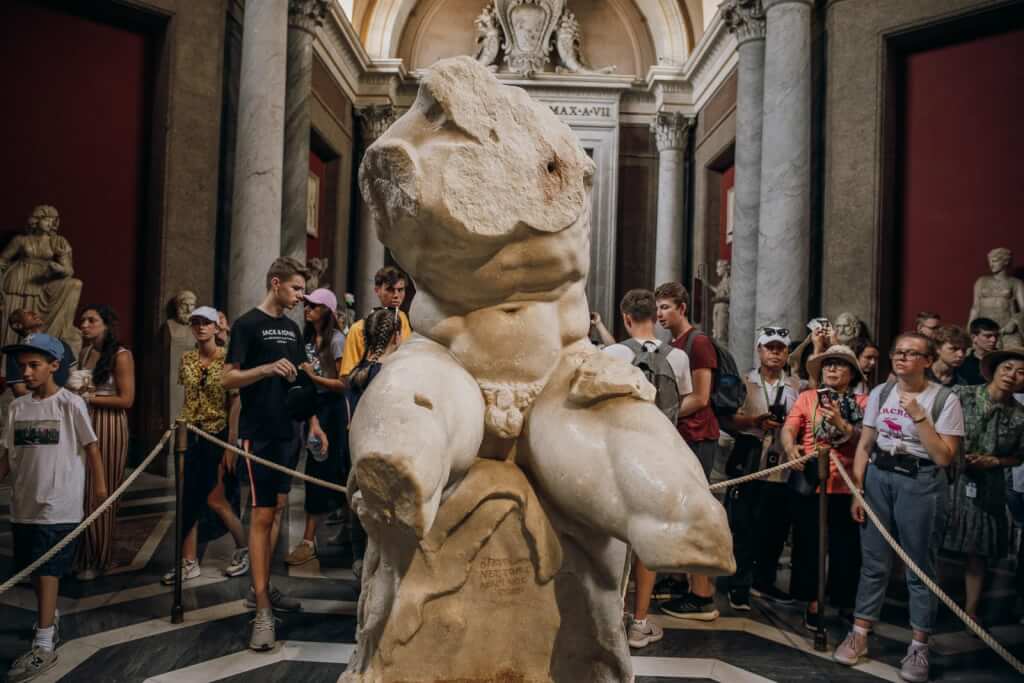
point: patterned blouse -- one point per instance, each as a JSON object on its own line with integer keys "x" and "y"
{"x": 991, "y": 429}
{"x": 205, "y": 398}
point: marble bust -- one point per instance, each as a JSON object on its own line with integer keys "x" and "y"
{"x": 720, "y": 302}
{"x": 847, "y": 327}
{"x": 177, "y": 340}
{"x": 37, "y": 274}
{"x": 515, "y": 461}
{"x": 1000, "y": 297}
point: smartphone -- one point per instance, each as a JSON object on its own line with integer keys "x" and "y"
{"x": 825, "y": 398}
{"x": 819, "y": 323}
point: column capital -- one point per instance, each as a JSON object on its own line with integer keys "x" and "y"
{"x": 376, "y": 119}
{"x": 745, "y": 18}
{"x": 307, "y": 15}
{"x": 670, "y": 130}
{"x": 769, "y": 4}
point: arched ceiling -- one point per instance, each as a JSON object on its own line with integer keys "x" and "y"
{"x": 672, "y": 28}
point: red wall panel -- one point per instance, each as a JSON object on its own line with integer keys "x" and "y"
{"x": 319, "y": 169}
{"x": 961, "y": 174}
{"x": 73, "y": 133}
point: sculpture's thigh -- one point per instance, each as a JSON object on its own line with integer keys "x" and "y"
{"x": 419, "y": 424}
{"x": 619, "y": 466}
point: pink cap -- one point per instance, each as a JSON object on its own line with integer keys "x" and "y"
{"x": 322, "y": 297}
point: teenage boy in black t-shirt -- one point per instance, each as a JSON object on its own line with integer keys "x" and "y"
{"x": 264, "y": 352}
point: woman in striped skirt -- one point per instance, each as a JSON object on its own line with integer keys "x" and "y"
{"x": 109, "y": 394}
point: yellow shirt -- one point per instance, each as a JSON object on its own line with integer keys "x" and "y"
{"x": 355, "y": 344}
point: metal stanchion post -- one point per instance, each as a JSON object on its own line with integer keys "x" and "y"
{"x": 180, "y": 445}
{"x": 821, "y": 636}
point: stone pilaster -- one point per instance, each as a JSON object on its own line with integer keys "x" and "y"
{"x": 784, "y": 228}
{"x": 671, "y": 131}
{"x": 256, "y": 217}
{"x": 303, "y": 18}
{"x": 745, "y": 19}
{"x": 374, "y": 120}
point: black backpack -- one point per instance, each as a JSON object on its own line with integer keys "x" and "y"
{"x": 658, "y": 371}
{"x": 728, "y": 390}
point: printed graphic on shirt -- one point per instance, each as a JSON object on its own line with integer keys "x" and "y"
{"x": 36, "y": 432}
{"x": 280, "y": 335}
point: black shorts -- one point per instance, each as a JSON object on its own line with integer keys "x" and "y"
{"x": 267, "y": 483}
{"x": 32, "y": 540}
{"x": 202, "y": 468}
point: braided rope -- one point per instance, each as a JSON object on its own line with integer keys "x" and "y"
{"x": 955, "y": 608}
{"x": 266, "y": 463}
{"x": 77, "y": 531}
{"x": 762, "y": 474}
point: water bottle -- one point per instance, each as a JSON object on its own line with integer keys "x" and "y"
{"x": 316, "y": 448}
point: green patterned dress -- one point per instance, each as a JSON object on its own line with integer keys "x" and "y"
{"x": 977, "y": 525}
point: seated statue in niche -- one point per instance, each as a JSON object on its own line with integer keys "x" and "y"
{"x": 501, "y": 463}
{"x": 37, "y": 274}
{"x": 720, "y": 302}
{"x": 1000, "y": 297}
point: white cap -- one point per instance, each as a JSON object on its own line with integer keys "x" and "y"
{"x": 767, "y": 335}
{"x": 207, "y": 313}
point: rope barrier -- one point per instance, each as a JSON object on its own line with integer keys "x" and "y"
{"x": 762, "y": 474}
{"x": 77, "y": 531}
{"x": 266, "y": 463}
{"x": 932, "y": 586}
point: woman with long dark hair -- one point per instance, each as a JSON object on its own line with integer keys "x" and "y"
{"x": 109, "y": 393}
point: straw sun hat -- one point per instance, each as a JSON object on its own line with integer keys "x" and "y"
{"x": 839, "y": 352}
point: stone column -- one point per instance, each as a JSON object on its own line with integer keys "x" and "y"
{"x": 784, "y": 232}
{"x": 303, "y": 18}
{"x": 671, "y": 130}
{"x": 256, "y": 215}
{"x": 745, "y": 18}
{"x": 375, "y": 120}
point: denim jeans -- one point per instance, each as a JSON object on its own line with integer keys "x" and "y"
{"x": 913, "y": 510}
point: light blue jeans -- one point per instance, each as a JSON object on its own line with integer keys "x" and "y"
{"x": 914, "y": 511}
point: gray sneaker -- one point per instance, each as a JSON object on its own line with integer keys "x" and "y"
{"x": 280, "y": 601}
{"x": 642, "y": 634}
{"x": 851, "y": 650}
{"x": 263, "y": 631}
{"x": 914, "y": 667}
{"x": 31, "y": 664}
{"x": 239, "y": 563}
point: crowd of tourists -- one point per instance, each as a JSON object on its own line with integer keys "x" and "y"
{"x": 935, "y": 450}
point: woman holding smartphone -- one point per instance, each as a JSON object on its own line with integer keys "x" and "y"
{"x": 827, "y": 417}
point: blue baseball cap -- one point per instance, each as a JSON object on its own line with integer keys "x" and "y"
{"x": 38, "y": 343}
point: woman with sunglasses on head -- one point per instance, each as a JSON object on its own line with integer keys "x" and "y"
{"x": 829, "y": 416}
{"x": 214, "y": 409}
{"x": 912, "y": 431}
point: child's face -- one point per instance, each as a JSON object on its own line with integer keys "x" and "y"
{"x": 36, "y": 369}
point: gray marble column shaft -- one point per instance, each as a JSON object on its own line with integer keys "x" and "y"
{"x": 671, "y": 131}
{"x": 303, "y": 18}
{"x": 256, "y": 206}
{"x": 371, "y": 254}
{"x": 784, "y": 231}
{"x": 745, "y": 19}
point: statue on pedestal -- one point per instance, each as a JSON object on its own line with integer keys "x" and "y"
{"x": 720, "y": 302}
{"x": 848, "y": 327}
{"x": 37, "y": 274}
{"x": 501, "y": 463}
{"x": 177, "y": 340}
{"x": 1000, "y": 297}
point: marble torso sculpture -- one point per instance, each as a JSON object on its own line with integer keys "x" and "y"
{"x": 177, "y": 340}
{"x": 38, "y": 275}
{"x": 500, "y": 461}
{"x": 1000, "y": 296}
{"x": 720, "y": 302}
{"x": 848, "y": 328}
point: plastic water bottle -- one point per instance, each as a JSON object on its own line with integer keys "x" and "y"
{"x": 316, "y": 448}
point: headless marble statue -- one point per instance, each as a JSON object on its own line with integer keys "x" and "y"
{"x": 500, "y": 462}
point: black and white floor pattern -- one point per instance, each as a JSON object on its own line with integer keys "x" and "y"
{"x": 118, "y": 629}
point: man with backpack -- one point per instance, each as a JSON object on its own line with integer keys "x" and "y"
{"x": 697, "y": 424}
{"x": 668, "y": 370}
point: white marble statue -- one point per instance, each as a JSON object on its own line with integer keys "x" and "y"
{"x": 848, "y": 327}
{"x": 177, "y": 340}
{"x": 37, "y": 274}
{"x": 475, "y": 571}
{"x": 569, "y": 45}
{"x": 316, "y": 267}
{"x": 720, "y": 302}
{"x": 1000, "y": 297}
{"x": 488, "y": 37}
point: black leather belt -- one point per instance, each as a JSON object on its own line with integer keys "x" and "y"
{"x": 900, "y": 463}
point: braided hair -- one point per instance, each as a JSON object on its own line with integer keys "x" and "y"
{"x": 379, "y": 328}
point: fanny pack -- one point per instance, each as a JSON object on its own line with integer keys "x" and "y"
{"x": 900, "y": 463}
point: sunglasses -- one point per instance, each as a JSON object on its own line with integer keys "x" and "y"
{"x": 775, "y": 331}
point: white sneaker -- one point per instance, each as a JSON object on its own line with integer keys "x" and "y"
{"x": 643, "y": 633}
{"x": 31, "y": 664}
{"x": 239, "y": 563}
{"x": 264, "y": 635}
{"x": 189, "y": 570}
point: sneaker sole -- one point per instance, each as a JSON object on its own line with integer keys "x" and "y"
{"x": 236, "y": 572}
{"x": 37, "y": 672}
{"x": 694, "y": 616}
{"x": 184, "y": 579}
{"x": 297, "y": 563}
{"x": 739, "y": 608}
{"x": 777, "y": 601}
{"x": 846, "y": 662}
{"x": 636, "y": 644}
{"x": 262, "y": 648}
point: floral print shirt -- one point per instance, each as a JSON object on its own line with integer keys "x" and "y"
{"x": 991, "y": 429}
{"x": 205, "y": 397}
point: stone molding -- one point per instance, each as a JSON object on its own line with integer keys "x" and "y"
{"x": 375, "y": 119}
{"x": 744, "y": 18}
{"x": 670, "y": 130}
{"x": 769, "y": 4}
{"x": 307, "y": 15}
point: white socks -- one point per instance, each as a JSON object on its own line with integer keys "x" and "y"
{"x": 917, "y": 645}
{"x": 44, "y": 638}
{"x": 860, "y": 630}
{"x": 639, "y": 622}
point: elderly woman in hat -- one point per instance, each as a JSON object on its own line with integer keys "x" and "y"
{"x": 829, "y": 416}
{"x": 994, "y": 441}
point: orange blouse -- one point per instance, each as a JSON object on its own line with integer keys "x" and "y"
{"x": 799, "y": 421}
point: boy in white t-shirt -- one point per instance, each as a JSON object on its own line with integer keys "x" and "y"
{"x": 47, "y": 440}
{"x": 639, "y": 314}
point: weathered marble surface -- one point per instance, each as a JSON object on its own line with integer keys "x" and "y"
{"x": 370, "y": 255}
{"x": 784, "y": 232}
{"x": 502, "y": 321}
{"x": 671, "y": 131}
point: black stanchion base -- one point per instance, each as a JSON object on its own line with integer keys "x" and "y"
{"x": 177, "y": 615}
{"x": 821, "y": 641}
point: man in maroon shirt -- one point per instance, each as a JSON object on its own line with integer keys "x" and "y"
{"x": 697, "y": 425}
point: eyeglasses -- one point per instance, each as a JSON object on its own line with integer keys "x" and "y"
{"x": 906, "y": 354}
{"x": 836, "y": 363}
{"x": 775, "y": 331}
